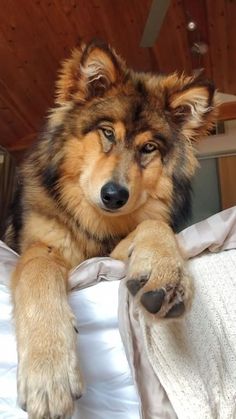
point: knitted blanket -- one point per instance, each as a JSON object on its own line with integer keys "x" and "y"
{"x": 187, "y": 369}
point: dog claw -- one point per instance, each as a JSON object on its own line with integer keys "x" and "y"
{"x": 77, "y": 396}
{"x": 76, "y": 330}
{"x": 24, "y": 407}
{"x": 152, "y": 300}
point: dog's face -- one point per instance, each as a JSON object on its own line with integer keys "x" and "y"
{"x": 118, "y": 151}
{"x": 127, "y": 137}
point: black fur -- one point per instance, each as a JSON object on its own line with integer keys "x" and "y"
{"x": 16, "y": 214}
{"x": 50, "y": 177}
{"x": 141, "y": 89}
{"x": 182, "y": 201}
{"x": 137, "y": 111}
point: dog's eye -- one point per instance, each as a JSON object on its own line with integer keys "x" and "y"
{"x": 108, "y": 133}
{"x": 148, "y": 148}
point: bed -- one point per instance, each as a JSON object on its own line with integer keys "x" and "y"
{"x": 116, "y": 389}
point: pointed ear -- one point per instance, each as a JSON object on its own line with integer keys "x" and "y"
{"x": 90, "y": 72}
{"x": 191, "y": 104}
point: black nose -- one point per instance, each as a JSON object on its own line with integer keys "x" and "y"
{"x": 114, "y": 196}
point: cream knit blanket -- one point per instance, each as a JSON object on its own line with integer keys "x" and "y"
{"x": 195, "y": 360}
{"x": 187, "y": 369}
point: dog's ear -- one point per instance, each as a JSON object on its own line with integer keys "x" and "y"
{"x": 90, "y": 72}
{"x": 191, "y": 104}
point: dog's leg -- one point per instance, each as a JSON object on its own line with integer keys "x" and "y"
{"x": 48, "y": 373}
{"x": 157, "y": 277}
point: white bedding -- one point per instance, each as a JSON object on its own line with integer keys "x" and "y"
{"x": 190, "y": 366}
{"x": 110, "y": 393}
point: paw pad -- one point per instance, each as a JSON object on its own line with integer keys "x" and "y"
{"x": 169, "y": 303}
{"x": 153, "y": 300}
{"x": 134, "y": 285}
{"x": 176, "y": 311}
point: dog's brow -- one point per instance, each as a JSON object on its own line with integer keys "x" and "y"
{"x": 92, "y": 125}
{"x": 159, "y": 137}
{"x": 164, "y": 143}
{"x": 142, "y": 136}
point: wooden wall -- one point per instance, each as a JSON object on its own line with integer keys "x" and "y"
{"x": 227, "y": 176}
{"x": 35, "y": 35}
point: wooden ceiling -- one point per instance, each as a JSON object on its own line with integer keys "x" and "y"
{"x": 35, "y": 35}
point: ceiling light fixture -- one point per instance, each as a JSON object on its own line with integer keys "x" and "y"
{"x": 191, "y": 26}
{"x": 200, "y": 48}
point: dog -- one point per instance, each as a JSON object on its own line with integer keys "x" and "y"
{"x": 110, "y": 175}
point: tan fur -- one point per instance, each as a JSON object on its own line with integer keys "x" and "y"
{"x": 45, "y": 328}
{"x": 64, "y": 221}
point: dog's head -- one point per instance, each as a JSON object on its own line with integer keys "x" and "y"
{"x": 126, "y": 138}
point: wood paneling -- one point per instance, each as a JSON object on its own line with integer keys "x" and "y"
{"x": 172, "y": 50}
{"x": 197, "y": 11}
{"x": 227, "y": 111}
{"x": 222, "y": 41}
{"x": 35, "y": 35}
{"x": 227, "y": 175}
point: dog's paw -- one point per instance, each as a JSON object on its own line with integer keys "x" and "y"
{"x": 49, "y": 380}
{"x": 163, "y": 286}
